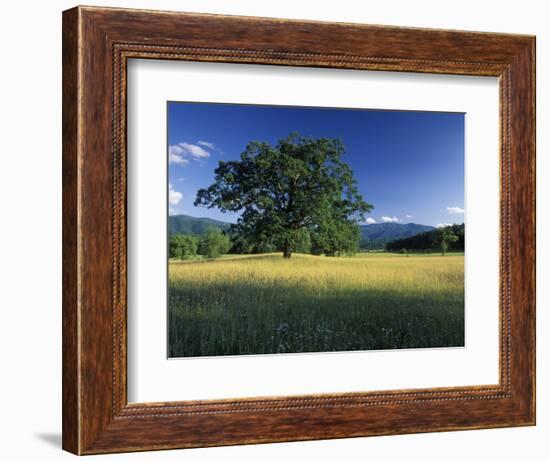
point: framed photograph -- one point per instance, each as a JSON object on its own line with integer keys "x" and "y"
{"x": 282, "y": 230}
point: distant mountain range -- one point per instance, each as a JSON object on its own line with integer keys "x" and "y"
{"x": 373, "y": 236}
{"x": 184, "y": 224}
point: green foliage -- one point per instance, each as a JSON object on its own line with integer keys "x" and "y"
{"x": 301, "y": 242}
{"x": 376, "y": 236}
{"x": 242, "y": 244}
{"x": 300, "y": 184}
{"x": 443, "y": 237}
{"x": 244, "y": 241}
{"x": 183, "y": 246}
{"x": 453, "y": 239}
{"x": 214, "y": 243}
{"x": 336, "y": 238}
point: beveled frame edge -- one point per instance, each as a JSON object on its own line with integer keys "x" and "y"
{"x": 97, "y": 42}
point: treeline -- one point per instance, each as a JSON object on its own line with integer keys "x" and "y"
{"x": 374, "y": 245}
{"x": 344, "y": 241}
{"x": 339, "y": 240}
{"x": 212, "y": 244}
{"x": 448, "y": 238}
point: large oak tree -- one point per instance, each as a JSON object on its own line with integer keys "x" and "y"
{"x": 299, "y": 184}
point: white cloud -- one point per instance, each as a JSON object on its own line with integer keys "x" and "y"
{"x": 455, "y": 210}
{"x": 445, "y": 224}
{"x": 194, "y": 151}
{"x": 175, "y": 149}
{"x": 370, "y": 221}
{"x": 175, "y": 155}
{"x": 173, "y": 158}
{"x": 408, "y": 216}
{"x": 181, "y": 152}
{"x": 389, "y": 219}
{"x": 174, "y": 197}
{"x": 208, "y": 144}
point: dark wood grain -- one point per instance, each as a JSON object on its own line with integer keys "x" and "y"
{"x": 70, "y": 384}
{"x": 97, "y": 43}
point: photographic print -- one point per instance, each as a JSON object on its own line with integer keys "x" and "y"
{"x": 312, "y": 229}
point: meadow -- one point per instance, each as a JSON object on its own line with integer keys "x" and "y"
{"x": 265, "y": 304}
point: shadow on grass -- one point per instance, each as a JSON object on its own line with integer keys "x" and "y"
{"x": 238, "y": 318}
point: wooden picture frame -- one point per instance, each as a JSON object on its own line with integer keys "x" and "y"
{"x": 97, "y": 43}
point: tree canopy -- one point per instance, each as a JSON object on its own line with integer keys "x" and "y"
{"x": 299, "y": 185}
{"x": 214, "y": 243}
{"x": 182, "y": 246}
{"x": 443, "y": 237}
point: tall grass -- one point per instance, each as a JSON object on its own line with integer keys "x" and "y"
{"x": 266, "y": 304}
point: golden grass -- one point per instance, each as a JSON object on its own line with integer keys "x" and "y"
{"x": 268, "y": 304}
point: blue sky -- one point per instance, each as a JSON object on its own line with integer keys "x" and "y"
{"x": 408, "y": 164}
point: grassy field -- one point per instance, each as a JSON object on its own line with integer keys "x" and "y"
{"x": 264, "y": 304}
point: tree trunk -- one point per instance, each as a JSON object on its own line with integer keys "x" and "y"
{"x": 286, "y": 250}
